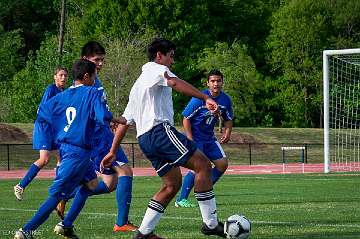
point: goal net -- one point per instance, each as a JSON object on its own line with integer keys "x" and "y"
{"x": 341, "y": 79}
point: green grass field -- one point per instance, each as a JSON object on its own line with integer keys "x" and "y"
{"x": 280, "y": 206}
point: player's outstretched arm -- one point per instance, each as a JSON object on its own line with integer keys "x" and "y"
{"x": 188, "y": 89}
{"x": 227, "y": 132}
{"x": 187, "y": 128}
{"x": 111, "y": 156}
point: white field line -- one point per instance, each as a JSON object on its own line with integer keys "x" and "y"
{"x": 97, "y": 215}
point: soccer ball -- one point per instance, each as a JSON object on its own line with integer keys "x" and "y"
{"x": 237, "y": 227}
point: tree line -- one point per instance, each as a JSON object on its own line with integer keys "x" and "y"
{"x": 270, "y": 51}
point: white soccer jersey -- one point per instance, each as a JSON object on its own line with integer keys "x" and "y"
{"x": 150, "y": 100}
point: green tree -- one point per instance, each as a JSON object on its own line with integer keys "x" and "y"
{"x": 124, "y": 59}
{"x": 29, "y": 84}
{"x": 240, "y": 76}
{"x": 301, "y": 30}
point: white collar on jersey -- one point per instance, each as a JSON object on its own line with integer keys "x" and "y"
{"x": 74, "y": 86}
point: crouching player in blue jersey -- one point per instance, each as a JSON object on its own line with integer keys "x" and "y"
{"x": 119, "y": 176}
{"x": 199, "y": 124}
{"x": 150, "y": 107}
{"x": 73, "y": 115}
{"x": 42, "y": 135}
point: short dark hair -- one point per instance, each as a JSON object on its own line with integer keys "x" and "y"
{"x": 81, "y": 67}
{"x": 60, "y": 68}
{"x": 159, "y": 45}
{"x": 92, "y": 48}
{"x": 215, "y": 72}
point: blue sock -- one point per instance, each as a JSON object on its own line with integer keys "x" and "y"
{"x": 187, "y": 186}
{"x": 73, "y": 193}
{"x": 78, "y": 203}
{"x": 123, "y": 198}
{"x": 215, "y": 175}
{"x": 101, "y": 189}
{"x": 42, "y": 214}
{"x": 30, "y": 175}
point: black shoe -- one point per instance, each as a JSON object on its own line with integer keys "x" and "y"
{"x": 151, "y": 235}
{"x": 218, "y": 230}
{"x": 67, "y": 232}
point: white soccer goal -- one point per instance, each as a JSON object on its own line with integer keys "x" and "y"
{"x": 341, "y": 79}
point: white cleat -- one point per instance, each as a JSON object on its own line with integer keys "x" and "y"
{"x": 18, "y": 191}
{"x": 20, "y": 234}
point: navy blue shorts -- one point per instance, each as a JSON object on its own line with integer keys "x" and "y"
{"x": 165, "y": 147}
{"x": 43, "y": 137}
{"x": 212, "y": 150}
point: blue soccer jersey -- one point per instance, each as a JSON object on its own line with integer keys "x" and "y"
{"x": 50, "y": 92}
{"x": 74, "y": 113}
{"x": 202, "y": 120}
{"x": 43, "y": 133}
{"x": 103, "y": 139}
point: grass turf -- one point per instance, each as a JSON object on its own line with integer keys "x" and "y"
{"x": 279, "y": 206}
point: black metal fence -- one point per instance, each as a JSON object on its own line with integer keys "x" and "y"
{"x": 21, "y": 156}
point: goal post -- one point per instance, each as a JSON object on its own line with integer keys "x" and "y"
{"x": 341, "y": 92}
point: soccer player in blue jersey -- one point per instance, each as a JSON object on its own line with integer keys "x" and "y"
{"x": 42, "y": 137}
{"x": 199, "y": 124}
{"x": 73, "y": 114}
{"x": 150, "y": 107}
{"x": 119, "y": 176}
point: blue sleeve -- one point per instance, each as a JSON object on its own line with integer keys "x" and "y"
{"x": 227, "y": 114}
{"x": 100, "y": 113}
{"x": 192, "y": 106}
{"x": 46, "y": 96}
{"x": 45, "y": 111}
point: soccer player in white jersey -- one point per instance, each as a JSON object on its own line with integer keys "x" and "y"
{"x": 199, "y": 126}
{"x": 150, "y": 107}
{"x": 72, "y": 114}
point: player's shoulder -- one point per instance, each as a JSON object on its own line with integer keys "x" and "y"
{"x": 225, "y": 96}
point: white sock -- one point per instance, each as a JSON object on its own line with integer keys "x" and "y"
{"x": 152, "y": 217}
{"x": 207, "y": 205}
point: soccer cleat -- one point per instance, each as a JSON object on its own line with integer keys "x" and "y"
{"x": 21, "y": 234}
{"x": 128, "y": 227}
{"x": 67, "y": 232}
{"x": 184, "y": 203}
{"x": 18, "y": 191}
{"x": 151, "y": 235}
{"x": 218, "y": 230}
{"x": 60, "y": 209}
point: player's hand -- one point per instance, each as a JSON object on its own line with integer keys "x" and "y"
{"x": 224, "y": 139}
{"x": 119, "y": 120}
{"x": 107, "y": 160}
{"x": 113, "y": 126}
{"x": 212, "y": 106}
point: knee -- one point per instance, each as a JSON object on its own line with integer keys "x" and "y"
{"x": 124, "y": 170}
{"x": 172, "y": 188}
{"x": 222, "y": 166}
{"x": 42, "y": 161}
{"x": 203, "y": 166}
{"x": 92, "y": 184}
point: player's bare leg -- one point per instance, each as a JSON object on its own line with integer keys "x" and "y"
{"x": 171, "y": 183}
{"x": 39, "y": 164}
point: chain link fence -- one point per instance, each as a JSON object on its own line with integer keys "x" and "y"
{"x": 21, "y": 156}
